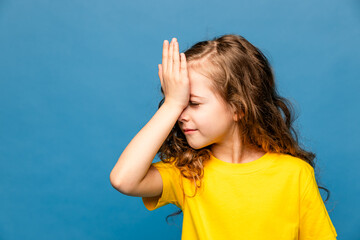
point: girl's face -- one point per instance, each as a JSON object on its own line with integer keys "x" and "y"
{"x": 212, "y": 120}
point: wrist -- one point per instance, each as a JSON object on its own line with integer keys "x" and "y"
{"x": 174, "y": 105}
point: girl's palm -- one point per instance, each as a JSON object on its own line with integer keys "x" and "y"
{"x": 173, "y": 75}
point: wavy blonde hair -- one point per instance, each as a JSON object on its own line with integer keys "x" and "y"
{"x": 244, "y": 79}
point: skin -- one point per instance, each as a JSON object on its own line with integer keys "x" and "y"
{"x": 133, "y": 174}
{"x": 214, "y": 121}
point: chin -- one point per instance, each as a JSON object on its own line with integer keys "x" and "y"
{"x": 197, "y": 146}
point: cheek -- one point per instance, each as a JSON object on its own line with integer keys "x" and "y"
{"x": 216, "y": 121}
{"x": 206, "y": 119}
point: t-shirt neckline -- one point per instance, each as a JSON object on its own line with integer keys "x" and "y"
{"x": 240, "y": 168}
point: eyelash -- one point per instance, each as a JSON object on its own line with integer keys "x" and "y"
{"x": 194, "y": 104}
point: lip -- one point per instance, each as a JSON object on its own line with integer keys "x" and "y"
{"x": 187, "y": 131}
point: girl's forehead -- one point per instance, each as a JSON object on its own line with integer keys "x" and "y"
{"x": 199, "y": 83}
{"x": 198, "y": 76}
{"x": 200, "y": 69}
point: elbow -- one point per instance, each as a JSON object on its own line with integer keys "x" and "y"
{"x": 114, "y": 181}
{"x": 117, "y": 183}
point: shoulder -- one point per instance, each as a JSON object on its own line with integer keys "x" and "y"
{"x": 166, "y": 166}
{"x": 294, "y": 168}
{"x": 293, "y": 163}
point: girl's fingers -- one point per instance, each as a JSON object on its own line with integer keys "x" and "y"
{"x": 160, "y": 74}
{"x": 165, "y": 54}
{"x": 183, "y": 67}
{"x": 170, "y": 57}
{"x": 161, "y": 78}
{"x": 176, "y": 66}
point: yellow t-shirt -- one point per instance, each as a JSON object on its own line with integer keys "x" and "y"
{"x": 274, "y": 197}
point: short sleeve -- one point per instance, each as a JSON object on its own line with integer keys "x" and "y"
{"x": 171, "y": 193}
{"x": 315, "y": 223}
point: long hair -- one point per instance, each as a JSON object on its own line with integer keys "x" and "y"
{"x": 242, "y": 76}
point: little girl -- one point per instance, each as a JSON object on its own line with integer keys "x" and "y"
{"x": 229, "y": 159}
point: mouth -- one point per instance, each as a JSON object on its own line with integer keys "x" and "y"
{"x": 189, "y": 130}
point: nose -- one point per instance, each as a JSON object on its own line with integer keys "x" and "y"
{"x": 184, "y": 116}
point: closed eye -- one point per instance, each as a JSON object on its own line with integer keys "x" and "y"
{"x": 192, "y": 103}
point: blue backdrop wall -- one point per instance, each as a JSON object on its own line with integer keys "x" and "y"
{"x": 78, "y": 80}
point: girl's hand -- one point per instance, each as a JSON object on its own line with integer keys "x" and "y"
{"x": 173, "y": 75}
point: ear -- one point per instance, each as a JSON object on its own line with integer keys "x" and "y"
{"x": 237, "y": 116}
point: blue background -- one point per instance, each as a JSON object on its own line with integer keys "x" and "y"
{"x": 78, "y": 80}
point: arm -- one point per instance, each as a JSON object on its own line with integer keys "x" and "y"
{"x": 131, "y": 173}
{"x": 134, "y": 162}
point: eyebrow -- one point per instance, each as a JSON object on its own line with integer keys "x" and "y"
{"x": 192, "y": 95}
